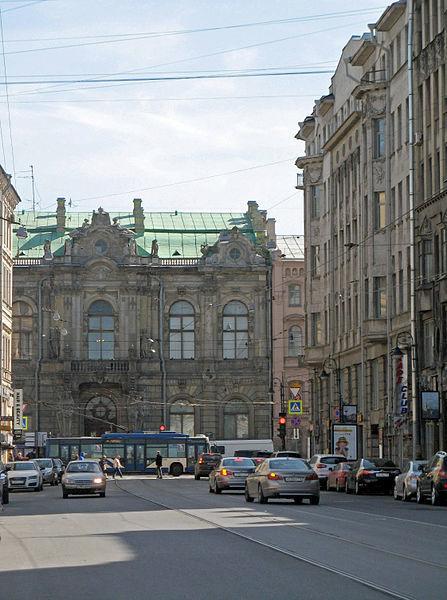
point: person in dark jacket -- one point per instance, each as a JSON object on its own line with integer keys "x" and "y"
{"x": 159, "y": 464}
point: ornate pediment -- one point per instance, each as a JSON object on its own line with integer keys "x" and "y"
{"x": 233, "y": 249}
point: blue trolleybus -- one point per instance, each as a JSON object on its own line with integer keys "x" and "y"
{"x": 137, "y": 450}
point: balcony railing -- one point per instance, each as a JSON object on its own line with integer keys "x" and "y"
{"x": 92, "y": 366}
{"x": 374, "y": 76}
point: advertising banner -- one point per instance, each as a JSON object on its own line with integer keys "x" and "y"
{"x": 430, "y": 406}
{"x": 402, "y": 385}
{"x": 18, "y": 409}
{"x": 344, "y": 440}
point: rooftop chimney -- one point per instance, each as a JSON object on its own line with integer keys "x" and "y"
{"x": 138, "y": 215}
{"x": 60, "y": 214}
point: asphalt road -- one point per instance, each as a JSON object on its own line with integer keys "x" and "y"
{"x": 171, "y": 539}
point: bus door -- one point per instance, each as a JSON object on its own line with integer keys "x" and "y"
{"x": 129, "y": 457}
{"x": 112, "y": 450}
{"x": 191, "y": 455}
{"x": 140, "y": 465}
{"x": 74, "y": 452}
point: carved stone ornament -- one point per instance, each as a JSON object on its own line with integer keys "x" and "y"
{"x": 375, "y": 105}
{"x": 425, "y": 229}
{"x": 378, "y": 174}
{"x": 314, "y": 173}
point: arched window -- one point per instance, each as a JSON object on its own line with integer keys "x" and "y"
{"x": 294, "y": 295}
{"x": 235, "y": 330}
{"x": 181, "y": 330}
{"x": 101, "y": 331}
{"x": 236, "y": 420}
{"x": 182, "y": 417}
{"x": 100, "y": 416}
{"x": 295, "y": 341}
{"x": 22, "y": 324}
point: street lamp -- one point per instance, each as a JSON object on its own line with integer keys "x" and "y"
{"x": 396, "y": 352}
{"x": 333, "y": 364}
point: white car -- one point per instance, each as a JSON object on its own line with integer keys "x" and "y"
{"x": 323, "y": 464}
{"x": 24, "y": 475}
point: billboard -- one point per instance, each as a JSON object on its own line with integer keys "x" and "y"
{"x": 344, "y": 440}
{"x": 430, "y": 406}
{"x": 18, "y": 410}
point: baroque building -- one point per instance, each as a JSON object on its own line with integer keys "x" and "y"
{"x": 126, "y": 321}
{"x": 374, "y": 148}
{"x": 8, "y": 202}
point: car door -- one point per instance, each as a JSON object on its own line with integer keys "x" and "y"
{"x": 254, "y": 479}
{"x": 351, "y": 476}
{"x": 427, "y": 476}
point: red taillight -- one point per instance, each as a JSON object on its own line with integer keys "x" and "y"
{"x": 226, "y": 472}
{"x": 274, "y": 476}
{"x": 201, "y": 461}
{"x": 442, "y": 474}
{"x": 445, "y": 486}
{"x": 311, "y": 477}
{"x": 320, "y": 465}
{"x": 364, "y": 472}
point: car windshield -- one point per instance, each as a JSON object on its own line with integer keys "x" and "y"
{"x": 290, "y": 464}
{"x": 43, "y": 462}
{"x": 377, "y": 463}
{"x": 22, "y": 466}
{"x": 418, "y": 466}
{"x": 211, "y": 457}
{"x": 332, "y": 460}
{"x": 238, "y": 462}
{"x": 83, "y": 467}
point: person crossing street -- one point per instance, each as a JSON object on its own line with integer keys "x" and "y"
{"x": 159, "y": 465}
{"x": 117, "y": 466}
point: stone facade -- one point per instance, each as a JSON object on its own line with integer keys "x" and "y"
{"x": 358, "y": 230}
{"x": 290, "y": 374}
{"x": 8, "y": 202}
{"x": 145, "y": 319}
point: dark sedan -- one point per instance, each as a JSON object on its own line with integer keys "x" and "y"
{"x": 432, "y": 482}
{"x": 371, "y": 475}
{"x": 205, "y": 464}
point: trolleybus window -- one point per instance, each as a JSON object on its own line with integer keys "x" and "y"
{"x": 176, "y": 450}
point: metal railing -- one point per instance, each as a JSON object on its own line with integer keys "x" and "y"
{"x": 91, "y": 366}
{"x": 374, "y": 76}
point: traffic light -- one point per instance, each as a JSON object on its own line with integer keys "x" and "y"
{"x": 282, "y": 421}
{"x": 162, "y": 428}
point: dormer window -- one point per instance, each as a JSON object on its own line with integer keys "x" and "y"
{"x": 235, "y": 254}
{"x": 100, "y": 247}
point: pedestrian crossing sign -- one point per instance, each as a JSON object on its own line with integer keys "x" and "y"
{"x": 295, "y": 407}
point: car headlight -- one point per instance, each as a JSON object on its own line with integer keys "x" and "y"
{"x": 97, "y": 480}
{"x": 32, "y": 478}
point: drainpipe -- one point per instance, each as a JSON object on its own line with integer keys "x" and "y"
{"x": 270, "y": 354}
{"x": 161, "y": 303}
{"x": 416, "y": 449}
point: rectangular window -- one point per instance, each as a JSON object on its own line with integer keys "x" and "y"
{"x": 379, "y": 211}
{"x": 294, "y": 295}
{"x": 399, "y": 201}
{"x": 379, "y": 297}
{"x": 408, "y": 278}
{"x": 425, "y": 260}
{"x": 401, "y": 291}
{"x": 378, "y": 138}
{"x": 366, "y": 298}
{"x": 316, "y": 329}
{"x": 399, "y": 128}
{"x": 444, "y": 250}
{"x": 315, "y": 260}
{"x": 314, "y": 201}
{"x": 393, "y": 204}
{"x": 398, "y": 51}
{"x": 428, "y": 343}
{"x": 375, "y": 382}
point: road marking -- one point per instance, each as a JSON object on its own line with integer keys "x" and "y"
{"x": 383, "y": 517}
{"x": 340, "y": 572}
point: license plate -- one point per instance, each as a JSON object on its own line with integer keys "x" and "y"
{"x": 240, "y": 474}
{"x": 294, "y": 479}
{"x": 382, "y": 474}
{"x": 17, "y": 481}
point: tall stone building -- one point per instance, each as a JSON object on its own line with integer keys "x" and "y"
{"x": 8, "y": 202}
{"x": 290, "y": 374}
{"x": 127, "y": 321}
{"x": 361, "y": 274}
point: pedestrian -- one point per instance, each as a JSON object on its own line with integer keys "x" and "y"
{"x": 117, "y": 466}
{"x": 103, "y": 465}
{"x": 19, "y": 456}
{"x": 159, "y": 465}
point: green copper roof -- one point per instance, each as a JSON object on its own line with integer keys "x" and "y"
{"x": 178, "y": 234}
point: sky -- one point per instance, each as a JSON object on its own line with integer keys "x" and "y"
{"x": 203, "y": 144}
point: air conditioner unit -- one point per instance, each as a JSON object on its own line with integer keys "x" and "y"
{"x": 418, "y": 138}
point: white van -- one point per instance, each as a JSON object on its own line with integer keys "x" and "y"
{"x": 234, "y": 447}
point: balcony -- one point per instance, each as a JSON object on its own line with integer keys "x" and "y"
{"x": 374, "y": 79}
{"x": 374, "y": 331}
{"x": 101, "y": 366}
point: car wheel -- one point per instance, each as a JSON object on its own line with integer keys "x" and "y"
{"x": 357, "y": 488}
{"x": 298, "y": 500}
{"x": 434, "y": 496}
{"x": 347, "y": 489}
{"x": 395, "y": 494}
{"x": 5, "y": 496}
{"x": 64, "y": 494}
{"x": 261, "y": 498}
{"x": 314, "y": 500}
{"x": 37, "y": 489}
{"x": 197, "y": 477}
{"x": 248, "y": 498}
{"x": 419, "y": 496}
{"x": 102, "y": 494}
{"x": 217, "y": 489}
{"x": 176, "y": 470}
{"x": 405, "y": 495}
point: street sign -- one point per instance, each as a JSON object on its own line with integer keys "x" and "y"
{"x": 296, "y": 434}
{"x": 24, "y": 423}
{"x": 18, "y": 409}
{"x": 295, "y": 407}
{"x": 30, "y": 440}
{"x": 295, "y": 421}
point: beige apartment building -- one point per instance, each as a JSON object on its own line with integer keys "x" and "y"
{"x": 358, "y": 231}
{"x": 290, "y": 374}
{"x": 8, "y": 202}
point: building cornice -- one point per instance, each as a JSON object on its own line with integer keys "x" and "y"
{"x": 341, "y": 131}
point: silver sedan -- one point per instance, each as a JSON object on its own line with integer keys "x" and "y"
{"x": 230, "y": 474}
{"x": 405, "y": 484}
{"x": 83, "y": 477}
{"x": 283, "y": 478}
